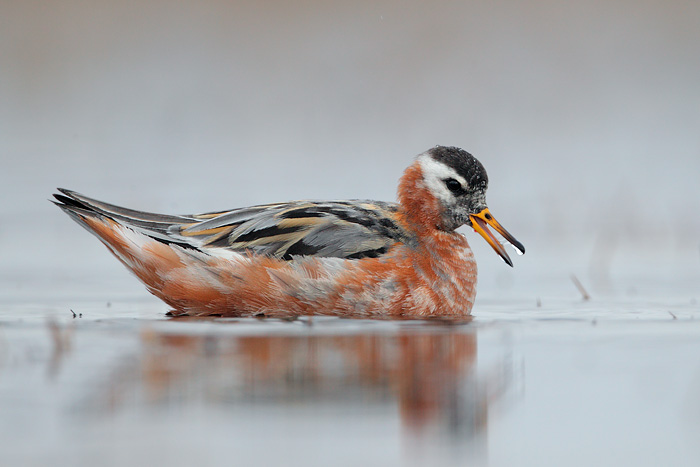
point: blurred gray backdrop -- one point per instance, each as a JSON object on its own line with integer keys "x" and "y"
{"x": 585, "y": 114}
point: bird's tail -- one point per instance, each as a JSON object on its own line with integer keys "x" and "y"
{"x": 178, "y": 273}
{"x": 85, "y": 211}
{"x": 138, "y": 239}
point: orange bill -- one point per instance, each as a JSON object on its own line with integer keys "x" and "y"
{"x": 481, "y": 221}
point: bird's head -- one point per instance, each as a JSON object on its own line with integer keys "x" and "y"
{"x": 455, "y": 184}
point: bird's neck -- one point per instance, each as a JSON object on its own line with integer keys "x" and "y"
{"x": 421, "y": 211}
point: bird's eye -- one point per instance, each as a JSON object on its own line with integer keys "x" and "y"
{"x": 453, "y": 185}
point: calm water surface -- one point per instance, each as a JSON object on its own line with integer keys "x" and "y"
{"x": 564, "y": 383}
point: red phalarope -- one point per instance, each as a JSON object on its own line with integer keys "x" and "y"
{"x": 356, "y": 258}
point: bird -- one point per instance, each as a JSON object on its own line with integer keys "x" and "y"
{"x": 351, "y": 258}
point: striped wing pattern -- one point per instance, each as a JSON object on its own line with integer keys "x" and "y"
{"x": 343, "y": 229}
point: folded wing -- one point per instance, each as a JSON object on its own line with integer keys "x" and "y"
{"x": 343, "y": 229}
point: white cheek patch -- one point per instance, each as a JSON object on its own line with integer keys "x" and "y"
{"x": 434, "y": 174}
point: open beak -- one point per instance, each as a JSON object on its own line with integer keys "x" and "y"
{"x": 481, "y": 221}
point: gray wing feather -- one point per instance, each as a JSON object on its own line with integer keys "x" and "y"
{"x": 344, "y": 240}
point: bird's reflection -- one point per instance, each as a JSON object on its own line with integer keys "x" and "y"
{"x": 430, "y": 376}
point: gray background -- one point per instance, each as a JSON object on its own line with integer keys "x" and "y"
{"x": 585, "y": 114}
